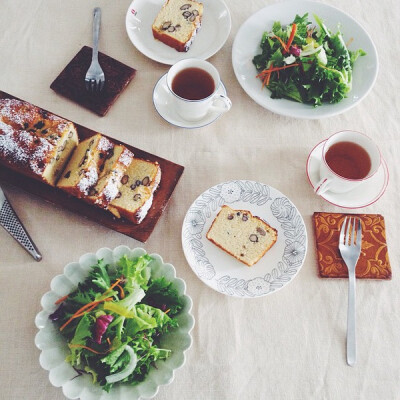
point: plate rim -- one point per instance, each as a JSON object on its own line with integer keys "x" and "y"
{"x": 328, "y": 109}
{"x": 167, "y": 61}
{"x": 206, "y": 282}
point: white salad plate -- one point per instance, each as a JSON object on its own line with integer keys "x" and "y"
{"x": 162, "y": 100}
{"x": 224, "y": 273}
{"x": 214, "y": 31}
{"x": 54, "y": 348}
{"x": 247, "y": 44}
{"x": 363, "y": 195}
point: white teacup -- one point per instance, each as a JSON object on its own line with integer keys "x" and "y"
{"x": 194, "y": 110}
{"x": 332, "y": 181}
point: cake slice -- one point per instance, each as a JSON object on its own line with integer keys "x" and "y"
{"x": 135, "y": 195}
{"x": 87, "y": 162}
{"x": 242, "y": 235}
{"x": 107, "y": 186}
{"x": 177, "y": 23}
{"x": 33, "y": 141}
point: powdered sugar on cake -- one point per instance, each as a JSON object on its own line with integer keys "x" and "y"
{"x": 104, "y": 144}
{"x": 24, "y": 148}
{"x": 89, "y": 179}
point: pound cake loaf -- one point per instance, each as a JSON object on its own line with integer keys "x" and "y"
{"x": 107, "y": 186}
{"x": 135, "y": 196}
{"x": 242, "y": 235}
{"x": 34, "y": 142}
{"x": 86, "y": 164}
{"x": 177, "y": 23}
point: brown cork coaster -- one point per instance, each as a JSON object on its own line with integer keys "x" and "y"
{"x": 374, "y": 259}
{"x": 71, "y": 81}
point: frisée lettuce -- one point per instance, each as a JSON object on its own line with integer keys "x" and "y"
{"x": 114, "y": 320}
{"x": 305, "y": 63}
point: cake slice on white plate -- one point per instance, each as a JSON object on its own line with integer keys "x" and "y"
{"x": 242, "y": 235}
{"x": 177, "y": 23}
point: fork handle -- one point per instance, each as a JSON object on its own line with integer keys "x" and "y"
{"x": 351, "y": 321}
{"x": 96, "y": 30}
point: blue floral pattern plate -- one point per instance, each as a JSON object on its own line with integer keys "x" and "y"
{"x": 224, "y": 273}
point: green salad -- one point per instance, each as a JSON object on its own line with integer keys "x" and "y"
{"x": 114, "y": 320}
{"x": 306, "y": 63}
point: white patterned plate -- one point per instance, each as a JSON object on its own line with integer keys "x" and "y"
{"x": 224, "y": 273}
{"x": 54, "y": 349}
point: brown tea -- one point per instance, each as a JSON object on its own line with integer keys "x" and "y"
{"x": 348, "y": 160}
{"x": 193, "y": 84}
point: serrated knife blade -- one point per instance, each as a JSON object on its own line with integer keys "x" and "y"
{"x": 11, "y": 223}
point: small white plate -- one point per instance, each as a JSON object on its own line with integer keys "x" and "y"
{"x": 224, "y": 273}
{"x": 247, "y": 45}
{"x": 364, "y": 195}
{"x": 215, "y": 29}
{"x": 162, "y": 103}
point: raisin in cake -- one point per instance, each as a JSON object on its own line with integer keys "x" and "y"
{"x": 83, "y": 170}
{"x": 242, "y": 235}
{"x": 107, "y": 186}
{"x": 177, "y": 23}
{"x": 33, "y": 141}
{"x": 138, "y": 184}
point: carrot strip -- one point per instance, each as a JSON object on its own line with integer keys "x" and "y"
{"x": 112, "y": 286}
{"x": 61, "y": 299}
{"x": 122, "y": 293}
{"x": 285, "y": 50}
{"x": 72, "y": 346}
{"x": 284, "y": 67}
{"x": 86, "y": 308}
{"x": 291, "y": 37}
{"x": 268, "y": 76}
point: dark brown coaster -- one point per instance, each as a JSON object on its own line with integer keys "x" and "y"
{"x": 374, "y": 258}
{"x": 71, "y": 81}
{"x": 170, "y": 175}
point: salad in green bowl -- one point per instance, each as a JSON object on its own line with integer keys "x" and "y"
{"x": 306, "y": 63}
{"x": 117, "y": 317}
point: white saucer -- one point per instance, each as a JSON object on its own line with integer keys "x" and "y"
{"x": 162, "y": 103}
{"x": 364, "y": 195}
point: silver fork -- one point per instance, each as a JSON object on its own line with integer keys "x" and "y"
{"x": 350, "y": 249}
{"x": 95, "y": 79}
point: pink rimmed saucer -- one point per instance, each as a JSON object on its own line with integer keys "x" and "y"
{"x": 363, "y": 195}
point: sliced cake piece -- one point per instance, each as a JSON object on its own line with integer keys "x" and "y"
{"x": 242, "y": 235}
{"x": 33, "y": 141}
{"x": 135, "y": 195}
{"x": 83, "y": 170}
{"x": 177, "y": 23}
{"x": 107, "y": 186}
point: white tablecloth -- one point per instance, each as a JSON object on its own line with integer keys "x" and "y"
{"x": 290, "y": 345}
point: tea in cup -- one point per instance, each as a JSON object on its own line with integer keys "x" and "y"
{"x": 193, "y": 85}
{"x": 349, "y": 158}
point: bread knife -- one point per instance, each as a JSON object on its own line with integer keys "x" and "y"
{"x": 11, "y": 223}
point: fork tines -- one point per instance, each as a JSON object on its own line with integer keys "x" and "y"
{"x": 351, "y": 231}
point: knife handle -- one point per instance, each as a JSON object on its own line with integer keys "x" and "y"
{"x": 11, "y": 223}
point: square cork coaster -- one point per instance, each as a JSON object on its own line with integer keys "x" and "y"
{"x": 374, "y": 258}
{"x": 71, "y": 81}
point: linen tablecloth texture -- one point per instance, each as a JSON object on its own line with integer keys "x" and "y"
{"x": 290, "y": 345}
